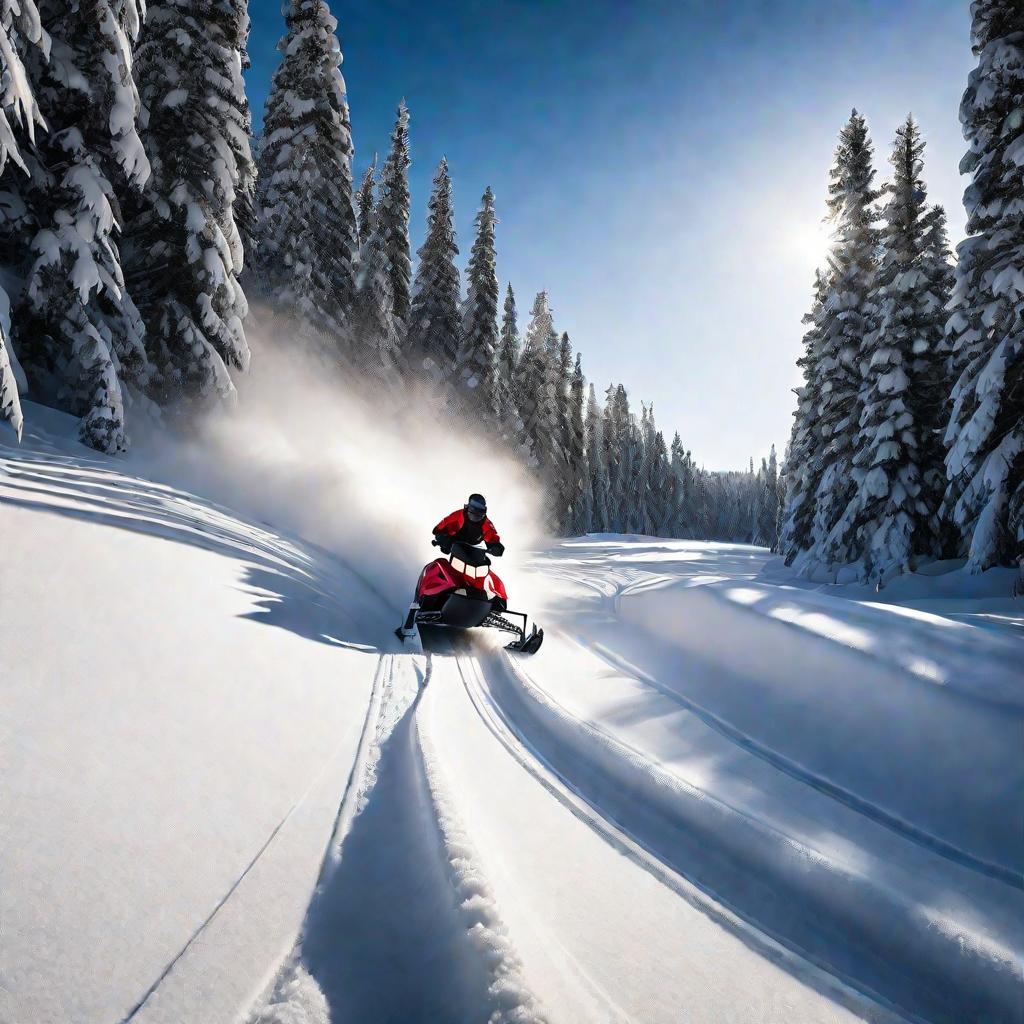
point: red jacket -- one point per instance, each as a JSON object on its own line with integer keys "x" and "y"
{"x": 458, "y": 526}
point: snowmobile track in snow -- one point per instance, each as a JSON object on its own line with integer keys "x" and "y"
{"x": 775, "y": 884}
{"x": 797, "y": 771}
{"x": 842, "y": 990}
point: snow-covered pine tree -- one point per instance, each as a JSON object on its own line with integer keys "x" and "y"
{"x": 19, "y": 24}
{"x": 848, "y": 318}
{"x": 580, "y": 520}
{"x": 597, "y": 464}
{"x": 308, "y": 243}
{"x": 434, "y": 323}
{"x": 477, "y": 368}
{"x": 365, "y": 203}
{"x": 657, "y": 484}
{"x": 376, "y": 331}
{"x": 393, "y": 215}
{"x": 768, "y": 512}
{"x": 506, "y": 362}
{"x": 77, "y": 330}
{"x": 566, "y": 475}
{"x": 624, "y": 452}
{"x": 985, "y": 435}
{"x": 893, "y": 515}
{"x": 536, "y": 376}
{"x": 680, "y": 514}
{"x": 932, "y": 372}
{"x": 805, "y": 444}
{"x": 185, "y": 253}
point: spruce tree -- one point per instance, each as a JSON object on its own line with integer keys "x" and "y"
{"x": 848, "y": 318}
{"x": 581, "y": 513}
{"x": 597, "y": 464}
{"x": 768, "y": 514}
{"x": 506, "y": 362}
{"x": 309, "y": 241}
{"x": 376, "y": 334}
{"x": 365, "y": 203}
{"x": 478, "y": 355}
{"x": 893, "y": 514}
{"x": 434, "y": 322}
{"x": 985, "y": 435}
{"x": 19, "y": 23}
{"x": 934, "y": 382}
{"x": 536, "y": 389}
{"x": 805, "y": 445}
{"x": 185, "y": 252}
{"x": 78, "y": 331}
{"x": 393, "y": 216}
{"x": 566, "y": 473}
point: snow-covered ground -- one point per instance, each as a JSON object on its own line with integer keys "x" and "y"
{"x": 716, "y": 794}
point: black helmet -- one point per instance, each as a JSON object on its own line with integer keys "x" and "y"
{"x": 475, "y": 508}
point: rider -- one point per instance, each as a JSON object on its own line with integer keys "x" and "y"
{"x": 469, "y": 525}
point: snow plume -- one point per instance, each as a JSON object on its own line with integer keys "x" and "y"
{"x": 345, "y": 467}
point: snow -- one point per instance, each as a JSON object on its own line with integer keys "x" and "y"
{"x": 173, "y": 751}
{"x": 719, "y": 792}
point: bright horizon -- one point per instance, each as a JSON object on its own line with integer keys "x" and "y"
{"x": 662, "y": 174}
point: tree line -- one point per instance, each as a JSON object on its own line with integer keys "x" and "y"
{"x": 139, "y": 212}
{"x": 908, "y": 437}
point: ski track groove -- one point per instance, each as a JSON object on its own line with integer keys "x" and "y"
{"x": 844, "y": 990}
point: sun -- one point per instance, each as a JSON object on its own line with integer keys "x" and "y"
{"x": 809, "y": 242}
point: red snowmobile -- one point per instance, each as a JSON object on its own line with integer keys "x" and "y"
{"x": 461, "y": 592}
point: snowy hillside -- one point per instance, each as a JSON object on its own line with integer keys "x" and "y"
{"x": 714, "y": 795}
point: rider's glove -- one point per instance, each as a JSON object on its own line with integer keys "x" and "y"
{"x": 445, "y": 544}
{"x": 496, "y": 548}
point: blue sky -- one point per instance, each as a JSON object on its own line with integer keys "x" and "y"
{"x": 659, "y": 167}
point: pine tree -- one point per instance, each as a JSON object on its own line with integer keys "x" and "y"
{"x": 565, "y": 482}
{"x": 768, "y": 514}
{"x": 77, "y": 330}
{"x": 434, "y": 323}
{"x": 19, "y": 22}
{"x": 849, "y": 317}
{"x": 934, "y": 382}
{"x": 985, "y": 435}
{"x": 185, "y": 253}
{"x": 656, "y": 480}
{"x": 681, "y": 513}
{"x": 309, "y": 235}
{"x": 393, "y": 216}
{"x": 893, "y": 514}
{"x": 478, "y": 355}
{"x": 597, "y": 463}
{"x": 580, "y": 519}
{"x": 377, "y": 332}
{"x": 536, "y": 377}
{"x": 506, "y": 361}
{"x": 624, "y": 453}
{"x": 365, "y": 203}
{"x": 806, "y": 447}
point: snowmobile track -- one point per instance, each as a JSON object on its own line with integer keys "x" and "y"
{"x": 877, "y": 814}
{"x": 843, "y": 990}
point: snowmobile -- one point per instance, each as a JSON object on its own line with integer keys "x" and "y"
{"x": 462, "y": 592}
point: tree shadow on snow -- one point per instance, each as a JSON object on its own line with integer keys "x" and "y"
{"x": 292, "y": 584}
